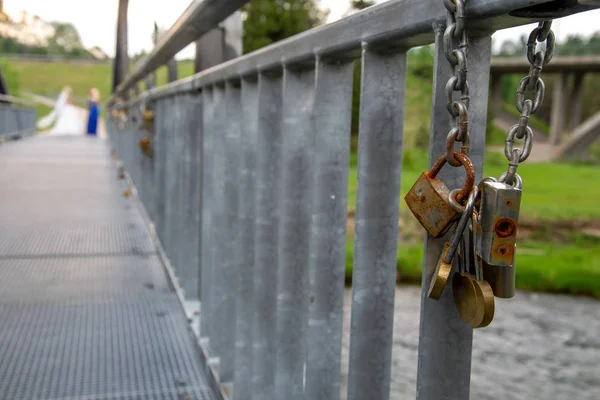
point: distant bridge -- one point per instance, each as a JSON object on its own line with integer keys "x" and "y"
{"x": 566, "y": 101}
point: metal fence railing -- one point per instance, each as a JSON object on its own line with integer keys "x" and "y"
{"x": 243, "y": 169}
{"x": 17, "y": 118}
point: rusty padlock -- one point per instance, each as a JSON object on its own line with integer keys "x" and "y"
{"x": 428, "y": 199}
{"x": 146, "y": 146}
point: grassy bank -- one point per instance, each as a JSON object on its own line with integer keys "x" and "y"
{"x": 50, "y": 78}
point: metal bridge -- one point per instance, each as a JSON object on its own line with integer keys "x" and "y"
{"x": 199, "y": 253}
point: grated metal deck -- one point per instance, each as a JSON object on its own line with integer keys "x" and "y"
{"x": 86, "y": 311}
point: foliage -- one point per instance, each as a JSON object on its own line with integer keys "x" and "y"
{"x": 574, "y": 45}
{"x": 65, "y": 42}
{"x": 269, "y": 21}
{"x": 360, "y": 4}
{"x": 11, "y": 77}
{"x": 66, "y": 38}
{"x": 9, "y": 45}
{"x": 421, "y": 61}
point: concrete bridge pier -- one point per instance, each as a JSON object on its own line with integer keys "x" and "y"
{"x": 559, "y": 108}
{"x": 576, "y": 101}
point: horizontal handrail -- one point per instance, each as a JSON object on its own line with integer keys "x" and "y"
{"x": 398, "y": 23}
{"x": 15, "y": 100}
{"x": 200, "y": 17}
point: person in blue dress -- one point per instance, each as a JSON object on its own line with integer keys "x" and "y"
{"x": 94, "y": 109}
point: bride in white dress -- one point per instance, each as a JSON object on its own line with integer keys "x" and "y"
{"x": 67, "y": 118}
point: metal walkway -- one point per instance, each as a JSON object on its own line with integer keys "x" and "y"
{"x": 86, "y": 309}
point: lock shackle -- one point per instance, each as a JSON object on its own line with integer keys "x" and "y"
{"x": 518, "y": 180}
{"x": 460, "y": 227}
{"x": 465, "y": 161}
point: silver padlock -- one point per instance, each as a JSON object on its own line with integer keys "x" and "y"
{"x": 495, "y": 231}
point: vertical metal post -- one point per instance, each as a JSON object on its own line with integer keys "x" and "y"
{"x": 121, "y": 62}
{"x": 445, "y": 341}
{"x": 183, "y": 192}
{"x": 220, "y": 284}
{"x": 197, "y": 134}
{"x": 376, "y": 236}
{"x": 332, "y": 122}
{"x": 229, "y": 260}
{"x": 160, "y": 157}
{"x": 242, "y": 387}
{"x": 268, "y": 189}
{"x": 576, "y": 101}
{"x": 189, "y": 219}
{"x": 206, "y": 244}
{"x": 172, "y": 157}
{"x": 179, "y": 226}
{"x": 559, "y": 110}
{"x": 292, "y": 285}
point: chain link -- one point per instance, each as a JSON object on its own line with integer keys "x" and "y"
{"x": 457, "y": 57}
{"x": 527, "y": 107}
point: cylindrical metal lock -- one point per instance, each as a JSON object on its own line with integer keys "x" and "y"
{"x": 496, "y": 232}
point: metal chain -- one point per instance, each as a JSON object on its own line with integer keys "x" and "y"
{"x": 527, "y": 107}
{"x": 457, "y": 57}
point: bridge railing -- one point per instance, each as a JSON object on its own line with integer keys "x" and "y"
{"x": 244, "y": 171}
{"x": 17, "y": 117}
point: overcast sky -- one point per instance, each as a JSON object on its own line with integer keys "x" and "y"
{"x": 96, "y": 21}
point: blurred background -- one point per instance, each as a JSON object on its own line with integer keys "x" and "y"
{"x": 47, "y": 45}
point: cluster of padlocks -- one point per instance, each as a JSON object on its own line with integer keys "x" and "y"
{"x": 485, "y": 218}
{"x": 143, "y": 122}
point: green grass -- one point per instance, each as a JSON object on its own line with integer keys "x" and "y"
{"x": 552, "y": 191}
{"x": 41, "y": 110}
{"x": 572, "y": 268}
{"x": 567, "y": 268}
{"x": 50, "y": 78}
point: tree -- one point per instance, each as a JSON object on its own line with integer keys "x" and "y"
{"x": 66, "y": 38}
{"x": 360, "y": 4}
{"x": 269, "y": 21}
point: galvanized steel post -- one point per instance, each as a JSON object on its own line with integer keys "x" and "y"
{"x": 444, "y": 360}
{"x": 207, "y": 242}
{"x": 189, "y": 203}
{"x": 268, "y": 189}
{"x": 242, "y": 387}
{"x": 160, "y": 157}
{"x": 220, "y": 284}
{"x": 298, "y": 136}
{"x": 376, "y": 235}
{"x": 327, "y": 264}
{"x": 229, "y": 262}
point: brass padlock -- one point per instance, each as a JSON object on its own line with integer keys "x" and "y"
{"x": 428, "y": 198}
{"x": 147, "y": 120}
{"x": 496, "y": 233}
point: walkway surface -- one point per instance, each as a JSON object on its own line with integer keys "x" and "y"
{"x": 87, "y": 311}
